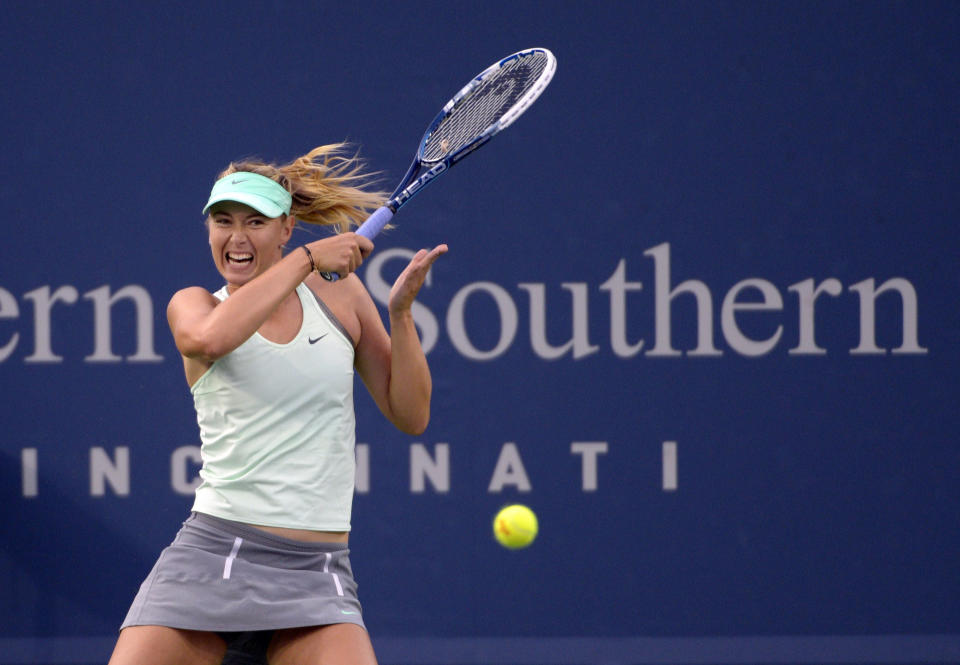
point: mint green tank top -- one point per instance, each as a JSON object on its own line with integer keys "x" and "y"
{"x": 277, "y": 427}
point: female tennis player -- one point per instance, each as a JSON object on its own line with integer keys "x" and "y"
{"x": 270, "y": 361}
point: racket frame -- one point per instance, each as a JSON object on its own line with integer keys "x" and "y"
{"x": 413, "y": 181}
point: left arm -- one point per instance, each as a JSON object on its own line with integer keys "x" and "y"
{"x": 394, "y": 367}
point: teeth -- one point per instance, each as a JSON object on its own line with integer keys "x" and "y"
{"x": 239, "y": 256}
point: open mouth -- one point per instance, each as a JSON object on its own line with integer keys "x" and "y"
{"x": 239, "y": 258}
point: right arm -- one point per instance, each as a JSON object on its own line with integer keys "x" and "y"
{"x": 205, "y": 329}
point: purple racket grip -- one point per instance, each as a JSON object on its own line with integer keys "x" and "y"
{"x": 369, "y": 229}
{"x": 375, "y": 223}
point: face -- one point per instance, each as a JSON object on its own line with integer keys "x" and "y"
{"x": 245, "y": 242}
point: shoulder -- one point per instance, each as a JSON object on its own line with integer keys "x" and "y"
{"x": 190, "y": 297}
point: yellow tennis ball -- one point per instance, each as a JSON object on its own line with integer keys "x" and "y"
{"x": 515, "y": 526}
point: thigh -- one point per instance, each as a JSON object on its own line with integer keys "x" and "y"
{"x": 159, "y": 645}
{"x": 320, "y": 645}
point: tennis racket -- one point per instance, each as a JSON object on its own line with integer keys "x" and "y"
{"x": 483, "y": 108}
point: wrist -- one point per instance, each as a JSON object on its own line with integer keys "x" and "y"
{"x": 400, "y": 315}
{"x": 310, "y": 261}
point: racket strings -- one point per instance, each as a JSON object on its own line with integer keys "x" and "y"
{"x": 484, "y": 106}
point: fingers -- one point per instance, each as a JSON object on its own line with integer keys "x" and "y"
{"x": 342, "y": 253}
{"x": 365, "y": 245}
{"x": 420, "y": 264}
{"x": 426, "y": 258}
{"x": 345, "y": 252}
{"x": 408, "y": 284}
{"x": 436, "y": 252}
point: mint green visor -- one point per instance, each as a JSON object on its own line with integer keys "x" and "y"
{"x": 264, "y": 195}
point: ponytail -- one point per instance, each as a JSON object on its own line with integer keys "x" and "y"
{"x": 329, "y": 185}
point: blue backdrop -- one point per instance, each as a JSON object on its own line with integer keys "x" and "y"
{"x": 699, "y": 312}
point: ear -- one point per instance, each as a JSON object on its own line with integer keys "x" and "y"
{"x": 289, "y": 223}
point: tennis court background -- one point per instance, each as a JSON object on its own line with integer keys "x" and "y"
{"x": 725, "y": 236}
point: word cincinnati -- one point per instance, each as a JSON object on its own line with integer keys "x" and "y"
{"x": 429, "y": 469}
{"x": 753, "y": 316}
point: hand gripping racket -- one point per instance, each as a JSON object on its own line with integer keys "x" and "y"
{"x": 487, "y": 105}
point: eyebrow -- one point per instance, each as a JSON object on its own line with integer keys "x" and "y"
{"x": 238, "y": 215}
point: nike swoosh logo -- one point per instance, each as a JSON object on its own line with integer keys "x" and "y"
{"x": 348, "y": 612}
{"x": 238, "y": 180}
{"x": 314, "y": 341}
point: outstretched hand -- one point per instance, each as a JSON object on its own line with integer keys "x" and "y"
{"x": 408, "y": 284}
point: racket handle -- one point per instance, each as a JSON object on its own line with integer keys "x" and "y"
{"x": 369, "y": 229}
{"x": 375, "y": 223}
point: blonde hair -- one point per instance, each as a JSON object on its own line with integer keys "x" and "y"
{"x": 329, "y": 185}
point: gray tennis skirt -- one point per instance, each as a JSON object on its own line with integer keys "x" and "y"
{"x": 220, "y": 576}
